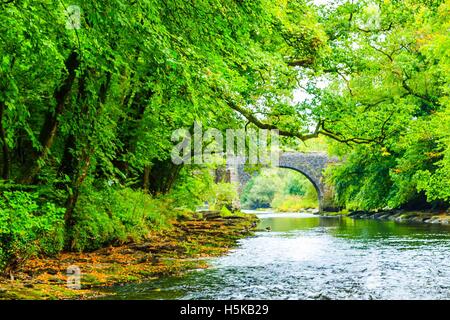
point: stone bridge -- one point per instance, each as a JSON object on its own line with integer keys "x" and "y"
{"x": 311, "y": 165}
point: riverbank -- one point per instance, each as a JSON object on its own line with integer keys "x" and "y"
{"x": 404, "y": 216}
{"x": 396, "y": 215}
{"x": 168, "y": 252}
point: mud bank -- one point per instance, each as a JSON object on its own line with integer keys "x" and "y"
{"x": 170, "y": 252}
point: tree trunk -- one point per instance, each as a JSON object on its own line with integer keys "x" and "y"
{"x": 84, "y": 163}
{"x": 130, "y": 123}
{"x": 5, "y": 149}
{"x": 49, "y": 129}
{"x": 163, "y": 176}
{"x": 73, "y": 197}
{"x": 146, "y": 178}
{"x": 67, "y": 166}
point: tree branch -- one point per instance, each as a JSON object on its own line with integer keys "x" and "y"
{"x": 268, "y": 126}
{"x": 300, "y": 63}
{"x": 319, "y": 130}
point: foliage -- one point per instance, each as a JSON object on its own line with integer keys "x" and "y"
{"x": 224, "y": 195}
{"x": 392, "y": 82}
{"x": 292, "y": 203}
{"x": 281, "y": 189}
{"x": 295, "y": 186}
{"x": 260, "y": 190}
{"x": 117, "y": 216}
{"x": 28, "y": 226}
{"x": 194, "y": 187}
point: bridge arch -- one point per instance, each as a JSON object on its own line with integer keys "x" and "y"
{"x": 317, "y": 185}
{"x": 311, "y": 165}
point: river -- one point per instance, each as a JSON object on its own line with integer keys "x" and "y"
{"x": 310, "y": 257}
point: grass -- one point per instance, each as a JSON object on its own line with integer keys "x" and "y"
{"x": 293, "y": 203}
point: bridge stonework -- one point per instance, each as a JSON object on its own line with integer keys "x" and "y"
{"x": 311, "y": 165}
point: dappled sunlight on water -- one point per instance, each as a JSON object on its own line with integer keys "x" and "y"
{"x": 307, "y": 257}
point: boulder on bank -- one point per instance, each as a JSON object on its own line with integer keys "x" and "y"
{"x": 210, "y": 214}
{"x": 402, "y": 216}
{"x": 357, "y": 214}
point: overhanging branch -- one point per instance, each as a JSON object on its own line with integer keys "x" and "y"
{"x": 319, "y": 129}
{"x": 268, "y": 126}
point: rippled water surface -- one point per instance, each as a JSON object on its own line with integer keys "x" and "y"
{"x": 307, "y": 257}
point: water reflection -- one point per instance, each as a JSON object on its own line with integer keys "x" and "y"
{"x": 307, "y": 257}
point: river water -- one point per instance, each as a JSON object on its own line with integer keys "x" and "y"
{"x": 310, "y": 257}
